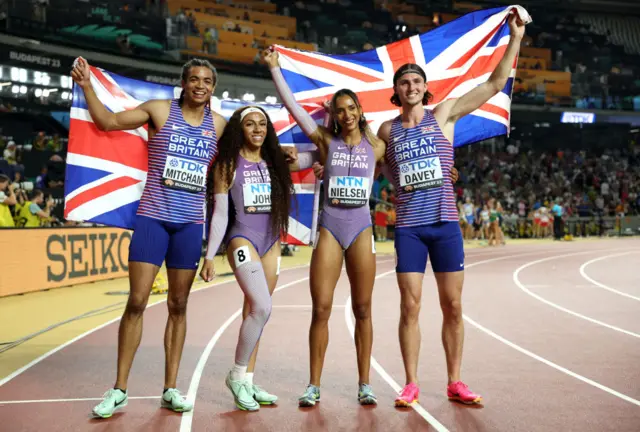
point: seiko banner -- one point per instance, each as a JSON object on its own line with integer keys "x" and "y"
{"x": 61, "y": 257}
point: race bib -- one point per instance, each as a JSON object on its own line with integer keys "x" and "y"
{"x": 348, "y": 191}
{"x": 241, "y": 256}
{"x": 421, "y": 174}
{"x": 257, "y": 197}
{"x": 184, "y": 174}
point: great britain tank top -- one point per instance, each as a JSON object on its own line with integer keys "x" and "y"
{"x": 179, "y": 160}
{"x": 421, "y": 159}
{"x": 349, "y": 177}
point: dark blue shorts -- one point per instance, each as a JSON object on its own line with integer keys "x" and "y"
{"x": 442, "y": 242}
{"x": 155, "y": 241}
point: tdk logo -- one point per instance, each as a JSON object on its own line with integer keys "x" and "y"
{"x": 186, "y": 165}
{"x": 423, "y": 164}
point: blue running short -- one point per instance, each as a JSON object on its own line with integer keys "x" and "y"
{"x": 155, "y": 241}
{"x": 442, "y": 242}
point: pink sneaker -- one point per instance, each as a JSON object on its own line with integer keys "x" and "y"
{"x": 408, "y": 395}
{"x": 459, "y": 391}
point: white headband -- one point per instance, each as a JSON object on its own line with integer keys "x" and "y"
{"x": 250, "y": 110}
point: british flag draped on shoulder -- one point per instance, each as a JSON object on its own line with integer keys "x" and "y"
{"x": 106, "y": 171}
{"x": 456, "y": 57}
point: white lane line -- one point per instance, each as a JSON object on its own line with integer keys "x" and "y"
{"x": 187, "y": 417}
{"x": 540, "y": 358}
{"x": 67, "y": 400}
{"x": 583, "y": 273}
{"x": 88, "y": 332}
{"x": 552, "y": 364}
{"x": 383, "y": 373}
{"x": 520, "y": 285}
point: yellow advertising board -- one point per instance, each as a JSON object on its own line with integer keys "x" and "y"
{"x": 38, "y": 259}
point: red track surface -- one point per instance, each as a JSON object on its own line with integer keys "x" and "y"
{"x": 538, "y": 367}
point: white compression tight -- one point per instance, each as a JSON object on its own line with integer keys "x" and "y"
{"x": 252, "y": 280}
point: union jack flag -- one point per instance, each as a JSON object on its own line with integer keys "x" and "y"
{"x": 456, "y": 57}
{"x": 106, "y": 171}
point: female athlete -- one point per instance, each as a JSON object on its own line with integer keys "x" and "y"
{"x": 251, "y": 168}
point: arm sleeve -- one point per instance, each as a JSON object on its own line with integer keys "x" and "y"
{"x": 219, "y": 222}
{"x": 304, "y": 120}
{"x": 306, "y": 159}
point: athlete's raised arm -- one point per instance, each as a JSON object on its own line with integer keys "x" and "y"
{"x": 103, "y": 118}
{"x": 452, "y": 110}
{"x": 319, "y": 135}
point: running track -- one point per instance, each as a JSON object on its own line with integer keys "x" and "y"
{"x": 552, "y": 343}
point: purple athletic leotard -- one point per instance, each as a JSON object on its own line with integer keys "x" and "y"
{"x": 251, "y": 196}
{"x": 348, "y": 179}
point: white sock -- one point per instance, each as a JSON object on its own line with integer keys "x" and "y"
{"x": 249, "y": 378}
{"x": 238, "y": 373}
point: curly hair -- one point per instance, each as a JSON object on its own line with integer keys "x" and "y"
{"x": 229, "y": 146}
{"x": 405, "y": 69}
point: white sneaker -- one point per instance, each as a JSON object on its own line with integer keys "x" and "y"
{"x": 113, "y": 399}
{"x": 262, "y": 396}
{"x": 173, "y": 400}
{"x": 242, "y": 394}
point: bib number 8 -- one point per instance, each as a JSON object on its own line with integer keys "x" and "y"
{"x": 241, "y": 256}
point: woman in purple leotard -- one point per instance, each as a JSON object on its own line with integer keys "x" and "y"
{"x": 252, "y": 169}
{"x": 349, "y": 150}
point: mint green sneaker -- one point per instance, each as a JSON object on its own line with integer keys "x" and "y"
{"x": 113, "y": 399}
{"x": 262, "y": 397}
{"x": 173, "y": 400}
{"x": 366, "y": 396}
{"x": 310, "y": 397}
{"x": 242, "y": 394}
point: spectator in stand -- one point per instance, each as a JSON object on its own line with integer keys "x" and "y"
{"x": 55, "y": 172}
{"x": 391, "y": 222}
{"x": 9, "y": 153}
{"x": 31, "y": 214}
{"x": 381, "y": 217}
{"x": 7, "y": 199}
{"x": 557, "y": 211}
{"x": 468, "y": 208}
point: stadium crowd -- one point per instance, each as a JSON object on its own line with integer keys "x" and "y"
{"x": 525, "y": 190}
